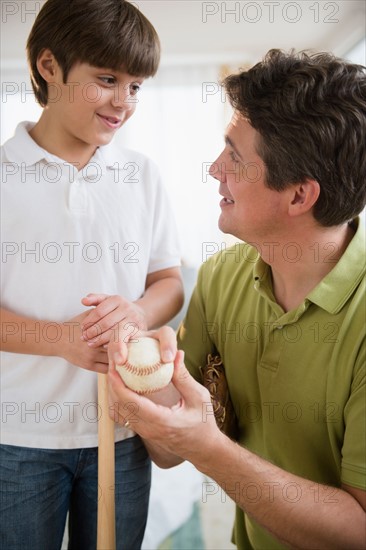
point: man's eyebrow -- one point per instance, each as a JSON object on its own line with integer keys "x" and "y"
{"x": 230, "y": 143}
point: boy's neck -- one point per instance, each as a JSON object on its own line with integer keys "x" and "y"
{"x": 72, "y": 151}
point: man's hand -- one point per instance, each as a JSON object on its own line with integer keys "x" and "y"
{"x": 186, "y": 429}
{"x": 74, "y": 349}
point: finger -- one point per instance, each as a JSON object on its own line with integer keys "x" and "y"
{"x": 93, "y": 299}
{"x": 106, "y": 318}
{"x": 101, "y": 332}
{"x": 190, "y": 390}
{"x": 150, "y": 421}
{"x": 167, "y": 341}
{"x": 122, "y": 333}
{"x": 144, "y": 408}
{"x": 103, "y": 307}
{"x": 117, "y": 352}
{"x": 100, "y": 320}
{"x": 100, "y": 341}
{"x": 123, "y": 400}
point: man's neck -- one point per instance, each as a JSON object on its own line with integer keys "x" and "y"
{"x": 298, "y": 265}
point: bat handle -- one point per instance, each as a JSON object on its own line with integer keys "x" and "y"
{"x": 106, "y": 530}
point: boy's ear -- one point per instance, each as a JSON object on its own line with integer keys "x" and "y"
{"x": 47, "y": 65}
{"x": 303, "y": 196}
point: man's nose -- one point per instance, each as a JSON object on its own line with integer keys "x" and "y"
{"x": 216, "y": 169}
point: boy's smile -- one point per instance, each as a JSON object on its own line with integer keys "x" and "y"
{"x": 86, "y": 111}
{"x": 111, "y": 122}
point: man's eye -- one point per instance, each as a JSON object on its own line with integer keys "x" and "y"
{"x": 233, "y": 157}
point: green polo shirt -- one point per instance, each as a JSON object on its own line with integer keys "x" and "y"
{"x": 297, "y": 379}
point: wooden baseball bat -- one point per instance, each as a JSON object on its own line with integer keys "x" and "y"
{"x": 106, "y": 529}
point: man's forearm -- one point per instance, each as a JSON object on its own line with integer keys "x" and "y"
{"x": 161, "y": 457}
{"x": 298, "y": 512}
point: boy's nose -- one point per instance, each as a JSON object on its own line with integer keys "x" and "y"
{"x": 123, "y": 99}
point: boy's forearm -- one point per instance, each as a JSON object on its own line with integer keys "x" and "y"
{"x": 20, "y": 334}
{"x": 163, "y": 297}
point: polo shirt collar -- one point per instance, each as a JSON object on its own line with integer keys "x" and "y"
{"x": 22, "y": 149}
{"x": 332, "y": 293}
{"x": 337, "y": 287}
{"x": 110, "y": 155}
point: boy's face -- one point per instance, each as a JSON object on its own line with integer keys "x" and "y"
{"x": 93, "y": 104}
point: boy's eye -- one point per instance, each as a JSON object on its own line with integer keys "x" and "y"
{"x": 110, "y": 80}
{"x": 134, "y": 88}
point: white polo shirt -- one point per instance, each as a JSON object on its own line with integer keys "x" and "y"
{"x": 66, "y": 233}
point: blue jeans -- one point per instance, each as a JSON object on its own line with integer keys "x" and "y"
{"x": 39, "y": 486}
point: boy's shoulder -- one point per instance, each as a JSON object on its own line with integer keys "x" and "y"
{"x": 16, "y": 148}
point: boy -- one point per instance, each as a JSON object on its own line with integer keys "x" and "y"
{"x": 78, "y": 216}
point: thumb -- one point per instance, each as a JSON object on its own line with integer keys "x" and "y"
{"x": 117, "y": 352}
{"x": 184, "y": 382}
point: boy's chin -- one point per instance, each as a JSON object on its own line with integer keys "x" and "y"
{"x": 104, "y": 140}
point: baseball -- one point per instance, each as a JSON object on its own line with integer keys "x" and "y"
{"x": 143, "y": 371}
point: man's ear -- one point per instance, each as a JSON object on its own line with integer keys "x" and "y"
{"x": 303, "y": 196}
{"x": 47, "y": 65}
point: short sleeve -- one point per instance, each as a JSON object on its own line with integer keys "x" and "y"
{"x": 193, "y": 333}
{"x": 354, "y": 446}
{"x": 165, "y": 249}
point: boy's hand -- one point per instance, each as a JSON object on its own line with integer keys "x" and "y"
{"x": 113, "y": 321}
{"x": 75, "y": 350}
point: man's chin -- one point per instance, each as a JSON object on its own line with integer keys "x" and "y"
{"x": 223, "y": 226}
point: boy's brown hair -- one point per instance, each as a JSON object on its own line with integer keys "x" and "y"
{"x": 310, "y": 112}
{"x": 104, "y": 33}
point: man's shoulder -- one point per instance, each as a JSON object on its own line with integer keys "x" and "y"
{"x": 240, "y": 255}
{"x": 229, "y": 263}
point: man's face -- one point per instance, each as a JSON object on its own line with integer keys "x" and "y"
{"x": 92, "y": 105}
{"x": 249, "y": 210}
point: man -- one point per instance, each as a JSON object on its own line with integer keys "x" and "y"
{"x": 285, "y": 310}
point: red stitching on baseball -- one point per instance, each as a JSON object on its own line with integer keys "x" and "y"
{"x": 142, "y": 371}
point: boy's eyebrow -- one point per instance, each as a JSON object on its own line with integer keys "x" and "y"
{"x": 229, "y": 142}
{"x": 115, "y": 72}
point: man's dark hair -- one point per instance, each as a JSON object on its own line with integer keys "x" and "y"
{"x": 310, "y": 112}
{"x": 104, "y": 33}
